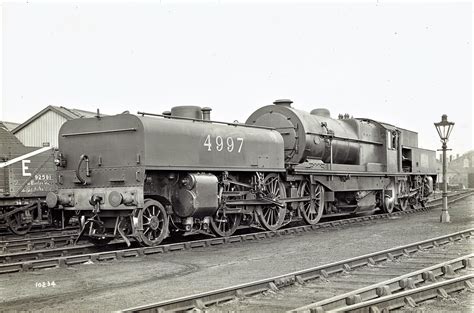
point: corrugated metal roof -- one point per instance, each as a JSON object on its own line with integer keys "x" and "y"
{"x": 67, "y": 113}
{"x": 75, "y": 113}
{"x": 8, "y": 125}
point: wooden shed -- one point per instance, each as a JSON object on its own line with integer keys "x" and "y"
{"x": 42, "y": 129}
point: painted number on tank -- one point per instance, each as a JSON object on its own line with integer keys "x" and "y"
{"x": 220, "y": 144}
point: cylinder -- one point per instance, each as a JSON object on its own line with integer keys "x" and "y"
{"x": 195, "y": 195}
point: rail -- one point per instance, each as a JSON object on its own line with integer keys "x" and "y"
{"x": 391, "y": 286}
{"x": 415, "y": 295}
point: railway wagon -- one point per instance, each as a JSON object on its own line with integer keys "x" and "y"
{"x": 145, "y": 177}
{"x": 27, "y": 174}
{"x": 135, "y": 176}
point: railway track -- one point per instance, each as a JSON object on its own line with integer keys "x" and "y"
{"x": 72, "y": 255}
{"x": 39, "y": 233}
{"x": 50, "y": 239}
{"x": 392, "y": 278}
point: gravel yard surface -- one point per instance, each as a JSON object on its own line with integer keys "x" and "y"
{"x": 121, "y": 284}
{"x": 460, "y": 302}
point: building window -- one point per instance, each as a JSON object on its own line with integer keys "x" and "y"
{"x": 466, "y": 163}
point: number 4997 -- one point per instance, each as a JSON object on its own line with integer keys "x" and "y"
{"x": 221, "y": 144}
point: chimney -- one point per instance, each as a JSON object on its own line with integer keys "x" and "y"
{"x": 206, "y": 113}
{"x": 283, "y": 102}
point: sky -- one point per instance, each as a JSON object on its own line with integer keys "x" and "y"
{"x": 402, "y": 63}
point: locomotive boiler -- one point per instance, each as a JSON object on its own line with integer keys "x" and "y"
{"x": 316, "y": 135}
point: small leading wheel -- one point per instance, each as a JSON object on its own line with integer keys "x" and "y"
{"x": 20, "y": 222}
{"x": 402, "y": 202}
{"x": 388, "y": 203}
{"x": 271, "y": 216}
{"x": 152, "y": 223}
{"x": 413, "y": 201}
{"x": 312, "y": 210}
{"x": 224, "y": 224}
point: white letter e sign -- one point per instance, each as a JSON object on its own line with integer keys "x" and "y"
{"x": 24, "y": 167}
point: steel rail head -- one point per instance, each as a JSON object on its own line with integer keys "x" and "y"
{"x": 383, "y": 288}
{"x": 412, "y": 296}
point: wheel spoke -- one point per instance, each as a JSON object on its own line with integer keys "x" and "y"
{"x": 147, "y": 210}
{"x": 274, "y": 189}
{"x": 267, "y": 214}
{"x": 307, "y": 207}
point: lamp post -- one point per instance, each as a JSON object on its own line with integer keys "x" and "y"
{"x": 444, "y": 129}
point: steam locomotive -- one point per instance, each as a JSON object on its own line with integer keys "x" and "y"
{"x": 143, "y": 177}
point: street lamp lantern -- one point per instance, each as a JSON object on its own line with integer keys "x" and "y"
{"x": 444, "y": 129}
